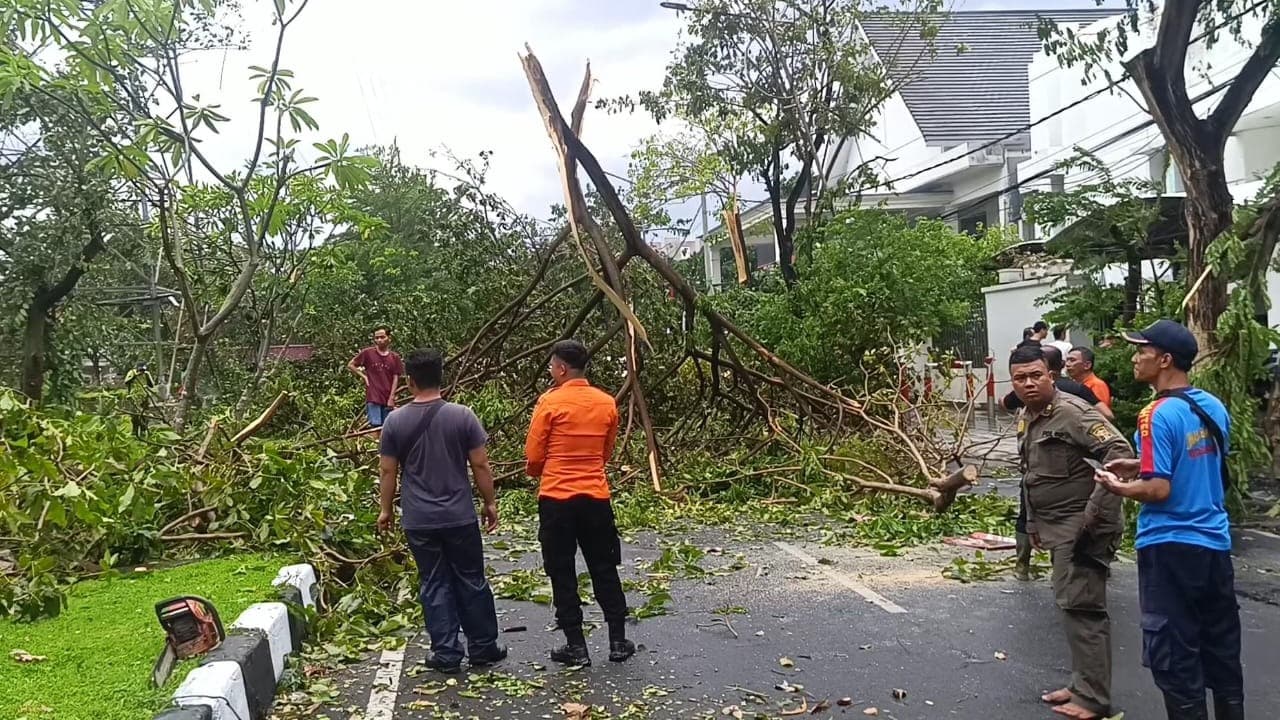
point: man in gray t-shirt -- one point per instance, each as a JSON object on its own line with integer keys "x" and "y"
{"x": 427, "y": 445}
{"x": 435, "y": 492}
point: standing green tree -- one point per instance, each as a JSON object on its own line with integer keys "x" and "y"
{"x": 129, "y": 56}
{"x": 58, "y": 212}
{"x": 783, "y": 85}
{"x": 1195, "y": 139}
{"x": 1104, "y": 221}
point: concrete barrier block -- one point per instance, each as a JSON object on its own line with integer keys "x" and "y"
{"x": 272, "y": 620}
{"x": 194, "y": 712}
{"x": 218, "y": 686}
{"x": 301, "y": 576}
{"x": 292, "y": 598}
{"x": 249, "y": 649}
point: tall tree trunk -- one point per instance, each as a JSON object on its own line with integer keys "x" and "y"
{"x": 785, "y": 240}
{"x": 1198, "y": 144}
{"x": 35, "y": 336}
{"x": 190, "y": 380}
{"x": 1132, "y": 287}
{"x": 35, "y": 345}
{"x": 1208, "y": 210}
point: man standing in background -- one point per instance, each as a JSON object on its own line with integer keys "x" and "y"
{"x": 1060, "y": 340}
{"x": 1079, "y": 367}
{"x": 380, "y": 369}
{"x": 570, "y": 442}
{"x": 429, "y": 443}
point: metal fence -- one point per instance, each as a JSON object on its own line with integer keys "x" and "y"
{"x": 966, "y": 341}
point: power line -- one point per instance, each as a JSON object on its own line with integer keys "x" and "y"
{"x": 1048, "y": 171}
{"x": 1071, "y": 106}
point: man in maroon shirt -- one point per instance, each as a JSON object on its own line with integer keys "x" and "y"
{"x": 380, "y": 368}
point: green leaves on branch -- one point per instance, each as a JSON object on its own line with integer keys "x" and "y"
{"x": 347, "y": 169}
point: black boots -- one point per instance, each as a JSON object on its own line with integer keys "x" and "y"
{"x": 574, "y": 651}
{"x": 448, "y": 667}
{"x": 497, "y": 655}
{"x": 1228, "y": 708}
{"x": 574, "y": 655}
{"x": 621, "y": 650}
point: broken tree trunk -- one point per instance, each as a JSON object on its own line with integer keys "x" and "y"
{"x": 733, "y": 227}
{"x": 261, "y": 420}
{"x": 611, "y": 285}
{"x": 571, "y": 152}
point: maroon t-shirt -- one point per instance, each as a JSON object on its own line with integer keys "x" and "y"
{"x": 381, "y": 370}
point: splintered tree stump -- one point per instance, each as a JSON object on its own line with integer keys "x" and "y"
{"x": 947, "y": 487}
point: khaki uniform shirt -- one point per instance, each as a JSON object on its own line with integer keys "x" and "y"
{"x": 1053, "y": 444}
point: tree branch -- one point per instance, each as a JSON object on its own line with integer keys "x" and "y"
{"x": 1246, "y": 83}
{"x": 1174, "y": 36}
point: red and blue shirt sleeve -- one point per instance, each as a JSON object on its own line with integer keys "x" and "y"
{"x": 1158, "y": 446}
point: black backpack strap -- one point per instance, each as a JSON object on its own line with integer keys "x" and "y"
{"x": 1214, "y": 431}
{"x": 424, "y": 424}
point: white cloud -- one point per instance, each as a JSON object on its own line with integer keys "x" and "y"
{"x": 435, "y": 74}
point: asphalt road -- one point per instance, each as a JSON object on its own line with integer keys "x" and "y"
{"x": 855, "y": 625}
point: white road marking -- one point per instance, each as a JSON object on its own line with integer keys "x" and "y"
{"x": 867, "y": 593}
{"x": 386, "y": 685}
{"x": 1263, "y": 533}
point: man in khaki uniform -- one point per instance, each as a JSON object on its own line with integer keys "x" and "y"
{"x": 1069, "y": 515}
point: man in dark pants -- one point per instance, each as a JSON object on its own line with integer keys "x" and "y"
{"x": 570, "y": 441}
{"x": 429, "y": 443}
{"x": 1186, "y": 583}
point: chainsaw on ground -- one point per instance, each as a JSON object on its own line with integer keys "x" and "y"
{"x": 192, "y": 627}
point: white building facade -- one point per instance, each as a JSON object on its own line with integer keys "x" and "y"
{"x": 1069, "y": 112}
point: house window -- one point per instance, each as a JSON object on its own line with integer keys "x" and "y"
{"x": 765, "y": 255}
{"x": 1173, "y": 179}
{"x": 1165, "y": 171}
{"x": 973, "y": 224}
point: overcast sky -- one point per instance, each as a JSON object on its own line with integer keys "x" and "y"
{"x": 431, "y": 74}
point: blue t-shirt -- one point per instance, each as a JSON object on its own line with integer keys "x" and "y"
{"x": 1174, "y": 444}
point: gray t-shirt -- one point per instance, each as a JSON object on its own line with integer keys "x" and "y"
{"x": 435, "y": 491}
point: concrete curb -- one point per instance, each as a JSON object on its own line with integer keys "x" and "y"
{"x": 238, "y": 679}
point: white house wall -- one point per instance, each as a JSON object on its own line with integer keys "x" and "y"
{"x": 896, "y": 136}
{"x": 1114, "y": 113}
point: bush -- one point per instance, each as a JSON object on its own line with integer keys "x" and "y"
{"x": 874, "y": 281}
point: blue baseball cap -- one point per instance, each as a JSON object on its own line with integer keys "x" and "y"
{"x": 1171, "y": 337}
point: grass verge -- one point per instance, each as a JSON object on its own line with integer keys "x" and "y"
{"x": 101, "y": 648}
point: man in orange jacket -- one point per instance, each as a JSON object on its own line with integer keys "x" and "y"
{"x": 570, "y": 441}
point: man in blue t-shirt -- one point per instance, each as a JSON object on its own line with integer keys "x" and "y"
{"x": 1186, "y": 583}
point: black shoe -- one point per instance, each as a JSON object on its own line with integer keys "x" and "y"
{"x": 621, "y": 650}
{"x": 496, "y": 655}
{"x": 443, "y": 666}
{"x": 572, "y": 655}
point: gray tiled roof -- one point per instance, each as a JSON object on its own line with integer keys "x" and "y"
{"x": 980, "y": 94}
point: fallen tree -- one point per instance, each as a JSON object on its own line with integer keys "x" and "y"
{"x": 737, "y": 374}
